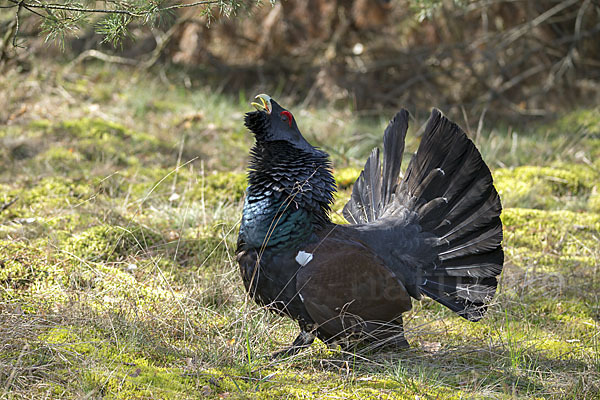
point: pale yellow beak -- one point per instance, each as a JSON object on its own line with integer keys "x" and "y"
{"x": 265, "y": 99}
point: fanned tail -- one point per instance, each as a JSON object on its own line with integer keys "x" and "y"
{"x": 449, "y": 189}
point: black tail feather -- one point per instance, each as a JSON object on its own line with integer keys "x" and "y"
{"x": 471, "y": 310}
{"x": 475, "y": 265}
{"x": 373, "y": 190}
{"x": 393, "y": 149}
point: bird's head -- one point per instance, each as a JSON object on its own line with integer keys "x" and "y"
{"x": 271, "y": 122}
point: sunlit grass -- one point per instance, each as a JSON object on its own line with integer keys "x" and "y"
{"x": 118, "y": 276}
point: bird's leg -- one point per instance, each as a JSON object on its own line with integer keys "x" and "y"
{"x": 302, "y": 341}
{"x": 393, "y": 336}
{"x": 400, "y": 341}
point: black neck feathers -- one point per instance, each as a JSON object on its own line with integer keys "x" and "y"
{"x": 292, "y": 177}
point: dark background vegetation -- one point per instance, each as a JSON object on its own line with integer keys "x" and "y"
{"x": 512, "y": 60}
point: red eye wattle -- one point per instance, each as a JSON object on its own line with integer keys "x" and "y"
{"x": 286, "y": 116}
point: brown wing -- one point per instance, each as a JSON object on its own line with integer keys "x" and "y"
{"x": 345, "y": 287}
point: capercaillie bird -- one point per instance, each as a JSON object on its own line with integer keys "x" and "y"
{"x": 437, "y": 232}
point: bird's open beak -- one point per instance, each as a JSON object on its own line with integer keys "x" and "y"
{"x": 266, "y": 103}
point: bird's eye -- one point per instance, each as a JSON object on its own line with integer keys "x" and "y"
{"x": 286, "y": 116}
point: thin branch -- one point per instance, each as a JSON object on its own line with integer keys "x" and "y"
{"x": 17, "y": 24}
{"x": 516, "y": 34}
{"x": 107, "y": 10}
{"x": 197, "y": 3}
{"x": 33, "y": 11}
{"x": 77, "y": 9}
{"x": 92, "y": 53}
{"x": 161, "y": 42}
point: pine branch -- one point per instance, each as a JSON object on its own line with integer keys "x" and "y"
{"x": 71, "y": 15}
{"x": 25, "y": 4}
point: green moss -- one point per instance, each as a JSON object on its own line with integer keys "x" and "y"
{"x": 555, "y": 232}
{"x": 112, "y": 243}
{"x": 276, "y": 383}
{"x": 100, "y": 129}
{"x": 594, "y": 200}
{"x": 67, "y": 337}
{"x": 219, "y": 187}
{"x": 233, "y": 183}
{"x": 24, "y": 266}
{"x": 586, "y": 119}
{"x": 100, "y": 140}
{"x": 131, "y": 375}
{"x": 52, "y": 191}
{"x": 40, "y": 124}
{"x": 46, "y": 197}
{"x": 61, "y": 159}
{"x": 586, "y": 175}
{"x": 31, "y": 277}
{"x": 157, "y": 185}
{"x": 346, "y": 177}
{"x": 208, "y": 247}
{"x": 545, "y": 187}
{"x": 61, "y": 155}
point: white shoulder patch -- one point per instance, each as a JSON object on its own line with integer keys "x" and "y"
{"x": 303, "y": 258}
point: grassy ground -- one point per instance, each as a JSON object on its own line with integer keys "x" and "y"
{"x": 120, "y": 197}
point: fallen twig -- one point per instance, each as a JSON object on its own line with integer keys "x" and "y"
{"x": 8, "y": 204}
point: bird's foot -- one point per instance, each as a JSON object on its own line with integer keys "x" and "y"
{"x": 302, "y": 341}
